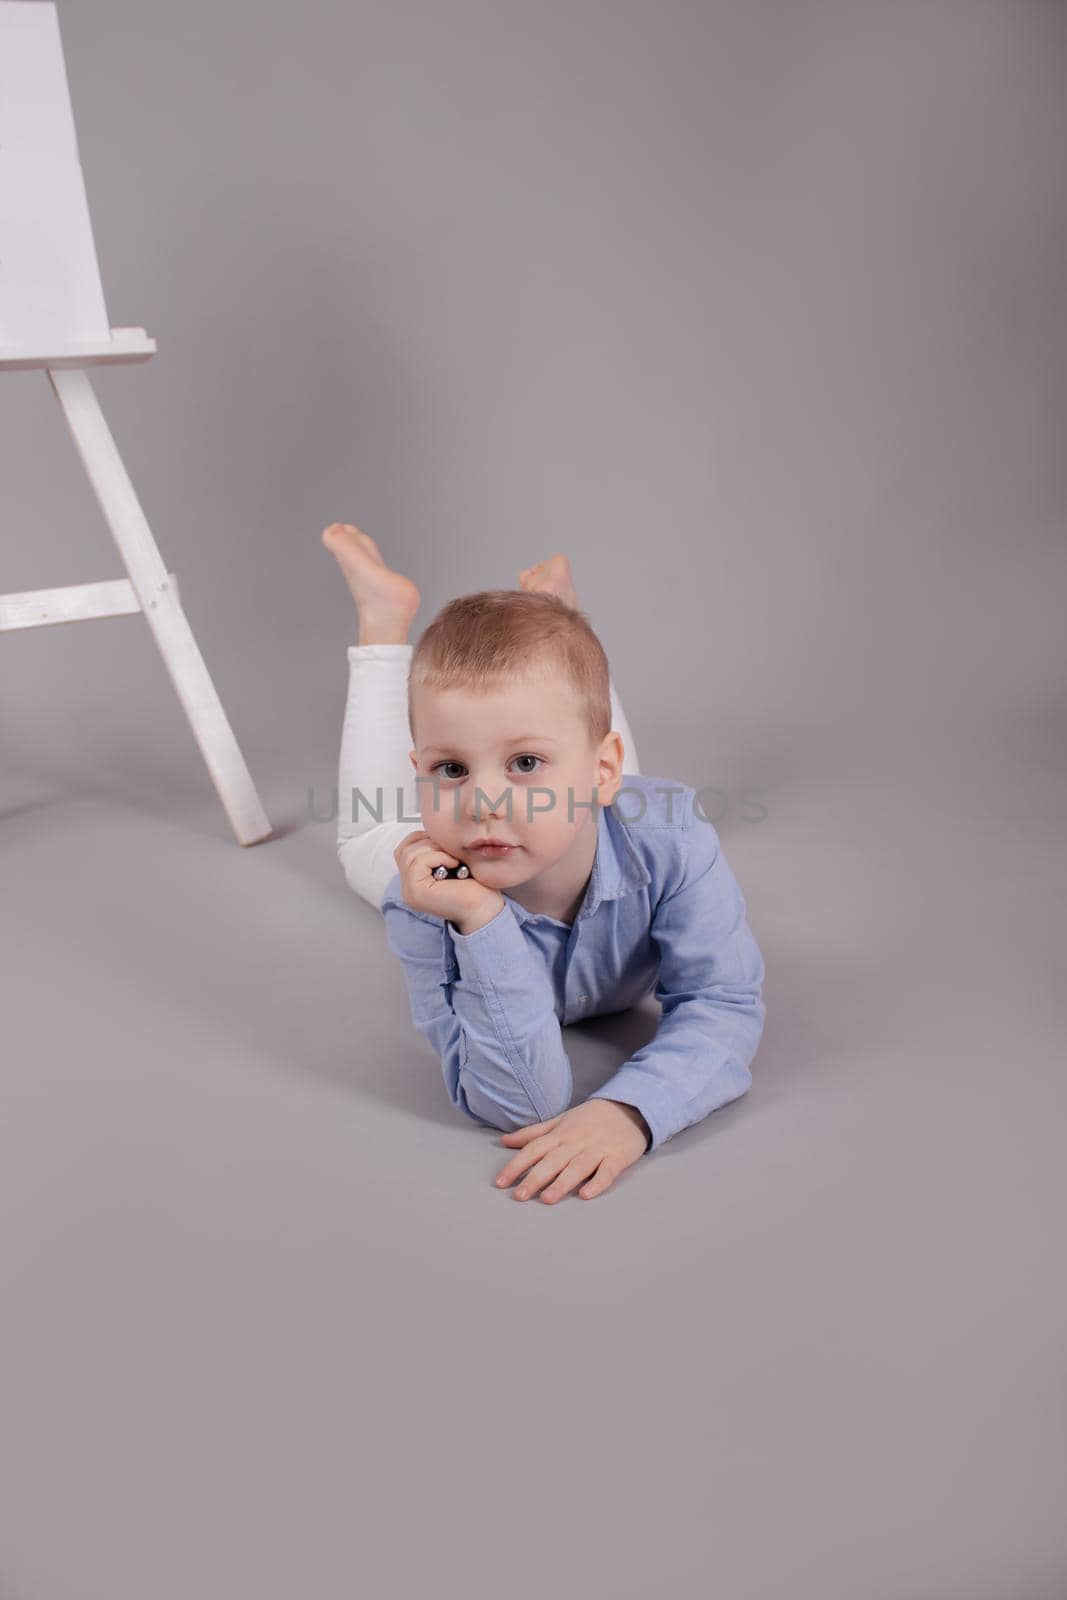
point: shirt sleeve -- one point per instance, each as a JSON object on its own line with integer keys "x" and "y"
{"x": 709, "y": 985}
{"x": 488, "y": 1011}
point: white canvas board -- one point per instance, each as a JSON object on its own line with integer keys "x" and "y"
{"x": 50, "y": 289}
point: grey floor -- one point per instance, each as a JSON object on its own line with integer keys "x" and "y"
{"x": 269, "y": 1329}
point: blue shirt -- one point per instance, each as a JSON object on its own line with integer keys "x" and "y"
{"x": 662, "y": 911}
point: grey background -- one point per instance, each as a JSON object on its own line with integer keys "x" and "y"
{"x": 756, "y": 310}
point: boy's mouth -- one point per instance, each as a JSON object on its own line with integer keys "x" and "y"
{"x": 492, "y": 848}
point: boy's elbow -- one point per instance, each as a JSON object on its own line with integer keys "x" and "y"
{"x": 507, "y": 1115}
{"x": 506, "y": 1095}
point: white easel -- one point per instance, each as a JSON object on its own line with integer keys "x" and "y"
{"x": 52, "y": 316}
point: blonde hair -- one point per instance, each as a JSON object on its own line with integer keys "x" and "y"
{"x": 481, "y": 641}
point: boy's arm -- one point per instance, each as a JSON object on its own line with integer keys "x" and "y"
{"x": 709, "y": 985}
{"x": 489, "y": 1014}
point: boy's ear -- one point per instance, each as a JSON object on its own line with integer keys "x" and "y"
{"x": 612, "y": 756}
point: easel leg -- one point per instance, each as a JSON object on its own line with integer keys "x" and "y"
{"x": 162, "y": 610}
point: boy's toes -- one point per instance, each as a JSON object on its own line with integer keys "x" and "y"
{"x": 372, "y": 542}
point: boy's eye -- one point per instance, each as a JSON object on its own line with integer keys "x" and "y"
{"x": 526, "y": 772}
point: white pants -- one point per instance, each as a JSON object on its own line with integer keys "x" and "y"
{"x": 375, "y": 741}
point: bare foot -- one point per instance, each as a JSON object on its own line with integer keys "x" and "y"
{"x": 552, "y": 576}
{"x": 386, "y": 600}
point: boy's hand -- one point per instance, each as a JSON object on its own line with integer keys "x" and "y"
{"x": 595, "y": 1141}
{"x": 464, "y": 901}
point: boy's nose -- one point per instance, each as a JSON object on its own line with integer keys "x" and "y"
{"x": 487, "y": 799}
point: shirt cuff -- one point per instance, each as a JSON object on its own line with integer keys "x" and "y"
{"x": 493, "y": 949}
{"x": 633, "y": 1088}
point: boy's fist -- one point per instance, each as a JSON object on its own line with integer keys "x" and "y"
{"x": 463, "y": 901}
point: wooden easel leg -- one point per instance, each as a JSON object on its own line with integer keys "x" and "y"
{"x": 159, "y": 602}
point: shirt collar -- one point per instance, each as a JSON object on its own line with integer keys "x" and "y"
{"x": 617, "y": 867}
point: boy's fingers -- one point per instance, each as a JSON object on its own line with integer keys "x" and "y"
{"x": 406, "y": 843}
{"x": 602, "y": 1179}
{"x": 524, "y": 1159}
{"x": 543, "y": 1171}
{"x": 414, "y": 845}
{"x": 532, "y": 1129}
{"x": 573, "y": 1173}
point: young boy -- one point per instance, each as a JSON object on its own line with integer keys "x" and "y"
{"x": 569, "y": 906}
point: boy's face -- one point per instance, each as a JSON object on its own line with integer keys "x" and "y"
{"x": 512, "y": 744}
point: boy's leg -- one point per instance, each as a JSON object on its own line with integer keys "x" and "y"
{"x": 375, "y": 738}
{"x": 376, "y": 781}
